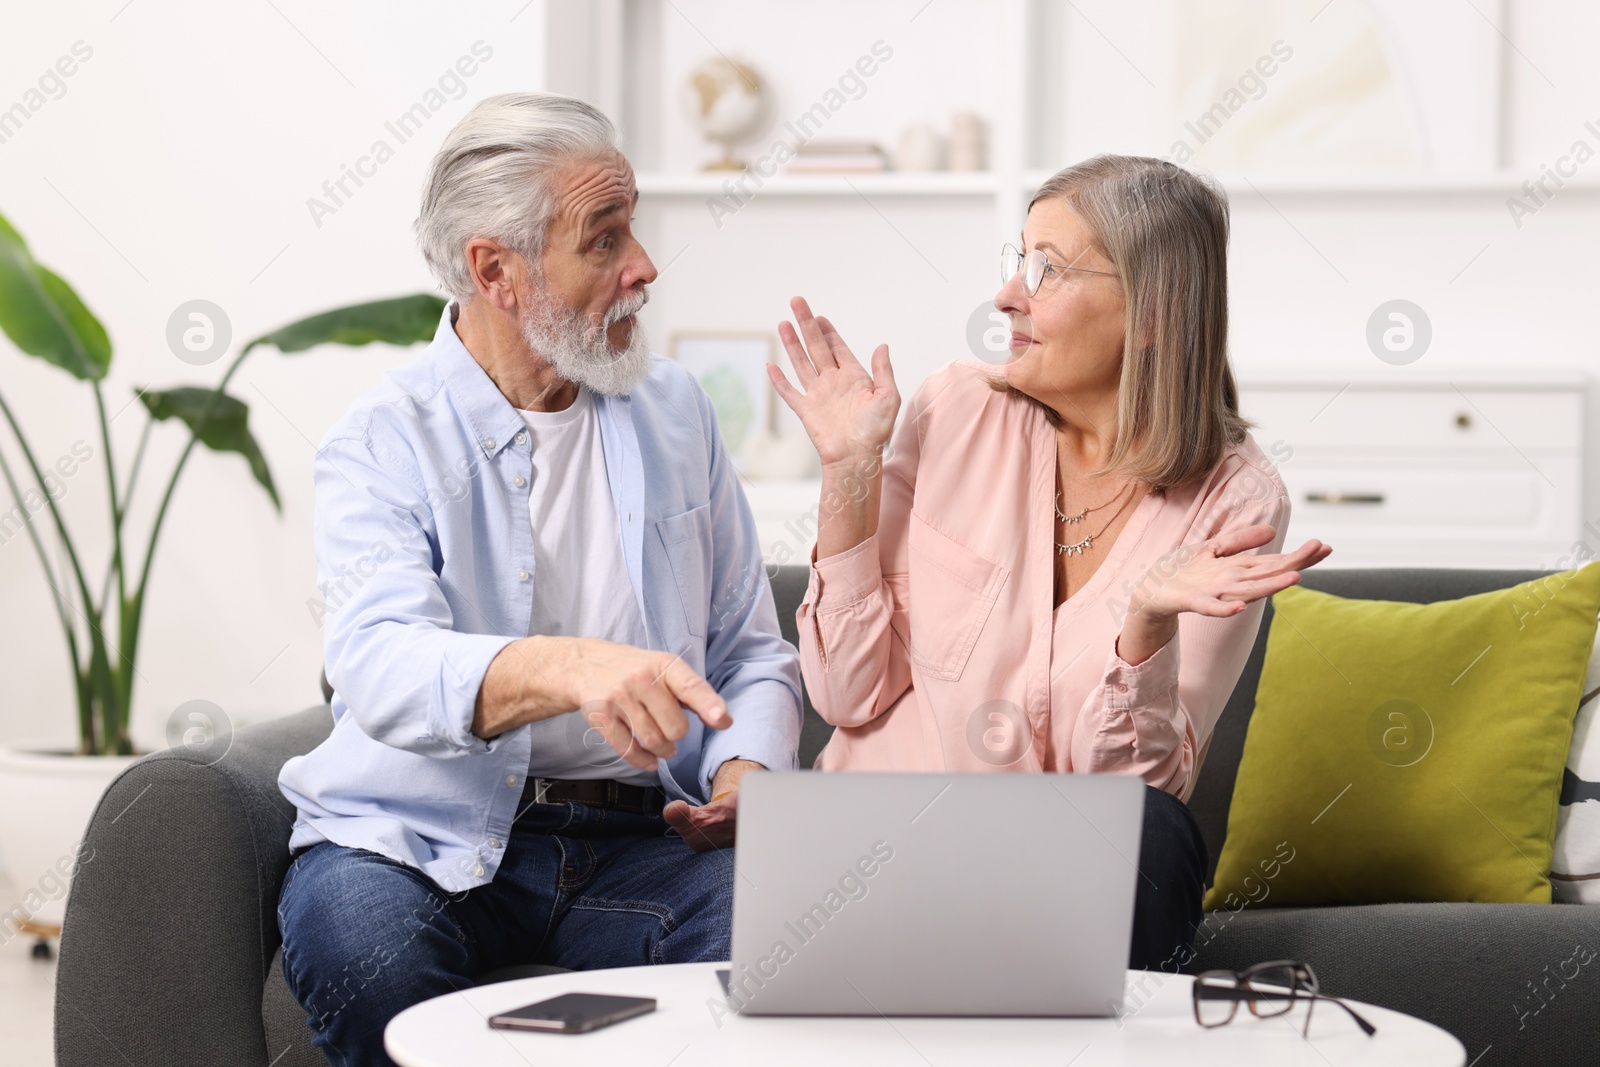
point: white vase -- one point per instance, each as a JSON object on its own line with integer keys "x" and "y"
{"x": 920, "y": 148}
{"x": 966, "y": 141}
{"x": 47, "y": 797}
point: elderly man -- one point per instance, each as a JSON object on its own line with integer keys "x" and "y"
{"x": 536, "y": 556}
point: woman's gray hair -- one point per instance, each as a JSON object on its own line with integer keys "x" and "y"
{"x": 1165, "y": 230}
{"x": 491, "y": 178}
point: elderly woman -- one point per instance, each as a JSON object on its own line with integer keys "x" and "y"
{"x": 1054, "y": 567}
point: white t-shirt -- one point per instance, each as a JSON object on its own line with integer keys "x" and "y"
{"x": 580, "y": 580}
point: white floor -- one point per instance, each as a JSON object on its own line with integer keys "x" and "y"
{"x": 27, "y": 1000}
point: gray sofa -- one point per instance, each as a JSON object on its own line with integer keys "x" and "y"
{"x": 169, "y": 952}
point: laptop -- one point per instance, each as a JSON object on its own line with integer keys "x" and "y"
{"x": 934, "y": 894}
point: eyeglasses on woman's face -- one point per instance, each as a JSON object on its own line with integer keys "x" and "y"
{"x": 1035, "y": 267}
{"x": 1268, "y": 989}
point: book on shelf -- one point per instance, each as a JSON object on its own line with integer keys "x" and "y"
{"x": 838, "y": 157}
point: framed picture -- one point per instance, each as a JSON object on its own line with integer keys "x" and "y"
{"x": 731, "y": 368}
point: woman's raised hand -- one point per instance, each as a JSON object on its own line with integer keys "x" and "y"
{"x": 847, "y": 412}
{"x": 1212, "y": 578}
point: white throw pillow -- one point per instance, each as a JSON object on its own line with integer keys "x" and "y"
{"x": 1575, "y": 867}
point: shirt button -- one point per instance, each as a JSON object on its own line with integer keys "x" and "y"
{"x": 521, "y": 438}
{"x": 494, "y": 842}
{"x": 488, "y": 442}
{"x": 1121, "y": 688}
{"x": 519, "y": 481}
{"x": 477, "y": 870}
{"x": 511, "y": 780}
{"x": 522, "y": 575}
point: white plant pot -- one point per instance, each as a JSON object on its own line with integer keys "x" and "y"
{"x": 46, "y": 799}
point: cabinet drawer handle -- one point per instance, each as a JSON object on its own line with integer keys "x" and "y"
{"x": 1344, "y": 498}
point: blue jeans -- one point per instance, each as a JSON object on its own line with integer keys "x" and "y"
{"x": 365, "y": 937}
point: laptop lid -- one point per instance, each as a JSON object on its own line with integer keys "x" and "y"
{"x": 934, "y": 894}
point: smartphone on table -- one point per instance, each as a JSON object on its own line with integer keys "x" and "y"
{"x": 573, "y": 1013}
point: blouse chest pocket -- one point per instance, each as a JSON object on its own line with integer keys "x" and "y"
{"x": 952, "y": 589}
{"x": 686, "y": 537}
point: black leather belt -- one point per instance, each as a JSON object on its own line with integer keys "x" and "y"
{"x": 596, "y": 793}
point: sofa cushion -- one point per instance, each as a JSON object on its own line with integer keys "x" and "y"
{"x": 1575, "y": 870}
{"x": 1410, "y": 752}
{"x": 1213, "y": 793}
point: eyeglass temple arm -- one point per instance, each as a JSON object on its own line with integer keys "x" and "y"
{"x": 1239, "y": 993}
{"x": 1366, "y": 1027}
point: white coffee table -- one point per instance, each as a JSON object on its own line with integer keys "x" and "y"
{"x": 1158, "y": 1027}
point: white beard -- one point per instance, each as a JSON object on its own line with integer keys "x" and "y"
{"x": 580, "y": 352}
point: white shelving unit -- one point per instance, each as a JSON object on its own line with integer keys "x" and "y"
{"x": 908, "y": 257}
{"x": 601, "y": 40}
{"x": 889, "y": 183}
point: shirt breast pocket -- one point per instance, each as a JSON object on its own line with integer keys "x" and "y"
{"x": 952, "y": 590}
{"x": 686, "y": 537}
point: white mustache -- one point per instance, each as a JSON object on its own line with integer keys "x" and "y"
{"x": 628, "y": 305}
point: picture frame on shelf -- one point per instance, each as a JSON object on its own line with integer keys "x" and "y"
{"x": 731, "y": 367}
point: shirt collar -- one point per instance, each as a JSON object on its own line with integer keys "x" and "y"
{"x": 492, "y": 418}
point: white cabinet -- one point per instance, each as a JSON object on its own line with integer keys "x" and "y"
{"x": 1485, "y": 471}
{"x": 1471, "y": 472}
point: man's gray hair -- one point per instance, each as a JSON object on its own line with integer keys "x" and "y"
{"x": 491, "y": 178}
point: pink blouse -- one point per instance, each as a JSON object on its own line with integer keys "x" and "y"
{"x": 934, "y": 645}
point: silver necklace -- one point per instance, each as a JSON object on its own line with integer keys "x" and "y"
{"x": 1078, "y": 548}
{"x": 1080, "y": 515}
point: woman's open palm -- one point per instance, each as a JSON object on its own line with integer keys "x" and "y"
{"x": 1212, "y": 577}
{"x": 846, "y": 411}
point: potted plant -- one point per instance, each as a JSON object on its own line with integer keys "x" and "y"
{"x": 48, "y": 794}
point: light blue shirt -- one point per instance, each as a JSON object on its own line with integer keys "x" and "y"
{"x": 425, "y": 560}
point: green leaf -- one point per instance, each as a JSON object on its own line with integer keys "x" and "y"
{"x": 44, "y": 317}
{"x": 226, "y": 429}
{"x": 404, "y": 320}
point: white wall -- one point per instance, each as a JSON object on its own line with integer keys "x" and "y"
{"x": 177, "y": 166}
{"x": 191, "y": 140}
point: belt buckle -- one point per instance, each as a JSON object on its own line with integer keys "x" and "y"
{"x": 541, "y": 786}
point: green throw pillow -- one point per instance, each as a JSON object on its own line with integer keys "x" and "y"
{"x": 1408, "y": 752}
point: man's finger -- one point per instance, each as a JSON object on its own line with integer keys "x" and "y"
{"x": 612, "y": 722}
{"x": 694, "y": 691}
{"x": 702, "y": 828}
{"x": 667, "y": 720}
{"x": 682, "y": 817}
{"x": 642, "y": 721}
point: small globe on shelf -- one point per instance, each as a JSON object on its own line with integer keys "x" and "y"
{"x": 727, "y": 102}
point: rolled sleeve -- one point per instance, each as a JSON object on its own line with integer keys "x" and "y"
{"x": 395, "y": 660}
{"x": 466, "y": 660}
{"x": 764, "y": 730}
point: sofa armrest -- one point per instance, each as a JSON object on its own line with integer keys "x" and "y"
{"x": 171, "y": 922}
